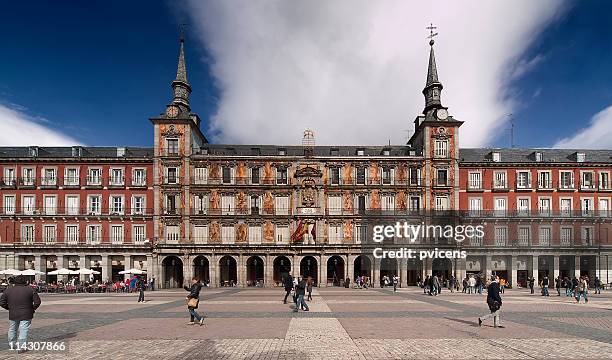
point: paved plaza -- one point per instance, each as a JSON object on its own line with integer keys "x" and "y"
{"x": 342, "y": 324}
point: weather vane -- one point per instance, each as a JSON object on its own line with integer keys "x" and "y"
{"x": 432, "y": 34}
{"x": 182, "y": 30}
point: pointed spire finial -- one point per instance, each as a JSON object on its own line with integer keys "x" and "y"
{"x": 180, "y": 85}
{"x": 433, "y": 87}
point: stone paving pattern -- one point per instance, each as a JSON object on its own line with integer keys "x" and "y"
{"x": 341, "y": 324}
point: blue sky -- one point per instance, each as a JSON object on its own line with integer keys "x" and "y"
{"x": 95, "y": 72}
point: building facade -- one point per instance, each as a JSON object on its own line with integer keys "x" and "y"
{"x": 250, "y": 214}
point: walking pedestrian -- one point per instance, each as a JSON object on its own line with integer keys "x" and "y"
{"x": 558, "y": 285}
{"x": 494, "y": 301}
{"x": 452, "y": 283}
{"x": 288, "y": 287}
{"x": 435, "y": 285}
{"x": 193, "y": 301}
{"x": 21, "y": 301}
{"x": 531, "y": 283}
{"x": 581, "y": 290}
{"x": 395, "y": 281}
{"x": 597, "y": 286}
{"x": 300, "y": 289}
{"x": 545, "y": 284}
{"x": 425, "y": 284}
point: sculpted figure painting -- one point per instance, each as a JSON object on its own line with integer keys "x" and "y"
{"x": 215, "y": 232}
{"x": 268, "y": 230}
{"x": 215, "y": 200}
{"x": 241, "y": 234}
{"x": 268, "y": 202}
{"x": 347, "y": 201}
{"x": 375, "y": 204}
{"x": 401, "y": 200}
{"x": 347, "y": 174}
{"x": 241, "y": 203}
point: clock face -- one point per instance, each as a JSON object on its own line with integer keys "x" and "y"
{"x": 172, "y": 111}
{"x": 442, "y": 114}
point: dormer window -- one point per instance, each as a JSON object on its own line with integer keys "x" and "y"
{"x": 386, "y": 152}
{"x": 360, "y": 152}
{"x": 334, "y": 152}
{"x": 495, "y": 156}
{"x": 33, "y": 151}
{"x": 580, "y": 157}
{"x": 538, "y": 156}
{"x": 282, "y": 152}
{"x": 76, "y": 151}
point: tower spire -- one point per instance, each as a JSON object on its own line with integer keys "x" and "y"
{"x": 433, "y": 87}
{"x": 180, "y": 86}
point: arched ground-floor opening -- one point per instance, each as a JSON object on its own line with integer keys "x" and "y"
{"x": 335, "y": 271}
{"x": 363, "y": 267}
{"x": 388, "y": 269}
{"x": 255, "y": 271}
{"x": 228, "y": 274}
{"x": 309, "y": 269}
{"x": 173, "y": 272}
{"x": 282, "y": 269}
{"x": 201, "y": 269}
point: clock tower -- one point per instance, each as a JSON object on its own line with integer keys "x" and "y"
{"x": 436, "y": 138}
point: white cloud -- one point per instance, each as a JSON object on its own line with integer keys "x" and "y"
{"x": 19, "y": 129}
{"x": 353, "y": 70}
{"x": 597, "y": 135}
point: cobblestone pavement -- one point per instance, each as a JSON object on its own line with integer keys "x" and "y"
{"x": 341, "y": 324}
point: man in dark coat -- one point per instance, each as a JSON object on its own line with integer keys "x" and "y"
{"x": 21, "y": 301}
{"x": 494, "y": 301}
{"x": 288, "y": 286}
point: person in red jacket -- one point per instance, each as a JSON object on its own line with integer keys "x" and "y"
{"x": 21, "y": 301}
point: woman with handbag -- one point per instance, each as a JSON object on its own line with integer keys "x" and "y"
{"x": 193, "y": 300}
{"x": 494, "y": 301}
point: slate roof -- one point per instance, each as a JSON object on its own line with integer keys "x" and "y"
{"x": 66, "y": 152}
{"x": 556, "y": 156}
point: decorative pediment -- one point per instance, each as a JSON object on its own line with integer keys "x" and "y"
{"x": 308, "y": 172}
{"x": 171, "y": 131}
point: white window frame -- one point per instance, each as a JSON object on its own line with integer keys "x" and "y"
{"x": 475, "y": 180}
{"x": 441, "y": 149}
{"x": 70, "y": 210}
{"x": 500, "y": 182}
{"x": 117, "y": 233}
{"x": 71, "y": 180}
{"x": 143, "y": 204}
{"x": 28, "y": 233}
{"x": 90, "y": 208}
{"x": 545, "y": 235}
{"x": 94, "y": 176}
{"x": 139, "y": 176}
{"x": 139, "y": 237}
{"x": 94, "y": 234}
{"x": 10, "y": 204}
{"x": 70, "y": 237}
{"x": 116, "y": 176}
{"x": 112, "y": 209}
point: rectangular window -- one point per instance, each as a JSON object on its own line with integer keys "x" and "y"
{"x": 387, "y": 203}
{"x": 281, "y": 176}
{"x": 9, "y": 204}
{"x": 200, "y": 234}
{"x": 496, "y": 157}
{"x": 545, "y": 236}
{"x": 228, "y": 234}
{"x": 524, "y": 235}
{"x": 361, "y": 175}
{"x": 282, "y": 205}
{"x": 171, "y": 175}
{"x": 566, "y": 180}
{"x": 501, "y": 236}
{"x": 94, "y": 205}
{"x": 28, "y": 205}
{"x": 587, "y": 235}
{"x": 171, "y": 204}
{"x": 566, "y": 236}
{"x": 475, "y": 180}
{"x": 334, "y": 204}
{"x": 139, "y": 177}
{"x": 604, "y": 181}
{"x": 544, "y": 206}
{"x": 116, "y": 234}
{"x": 116, "y": 177}
{"x": 49, "y": 234}
{"x": 255, "y": 176}
{"x": 523, "y": 180}
{"x": 441, "y": 203}
{"x": 94, "y": 234}
{"x": 500, "y": 180}
{"x": 387, "y": 175}
{"x": 586, "y": 206}
{"x": 544, "y": 180}
{"x": 227, "y": 205}
{"x": 475, "y": 206}
{"x": 200, "y": 204}
{"x": 27, "y": 234}
{"x": 9, "y": 177}
{"x": 415, "y": 203}
{"x": 72, "y": 234}
{"x": 29, "y": 177}
{"x": 441, "y": 149}
{"x": 335, "y": 234}
{"x": 172, "y": 147}
{"x": 138, "y": 205}
{"x": 116, "y": 205}
{"x": 94, "y": 176}
{"x": 138, "y": 234}
{"x": 500, "y": 206}
{"x": 282, "y": 234}
{"x": 49, "y": 177}
{"x": 50, "y": 205}
{"x": 71, "y": 177}
{"x": 72, "y": 205}
{"x": 523, "y": 207}
{"x": 604, "y": 207}
{"x": 335, "y": 176}
{"x": 361, "y": 234}
{"x": 226, "y": 173}
{"x": 588, "y": 180}
{"x": 255, "y": 204}
{"x": 415, "y": 176}
{"x": 173, "y": 233}
{"x": 476, "y": 239}
{"x": 200, "y": 175}
{"x": 565, "y": 207}
{"x": 255, "y": 234}
{"x": 442, "y": 179}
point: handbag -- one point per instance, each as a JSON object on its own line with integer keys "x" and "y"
{"x": 494, "y": 305}
{"x": 193, "y": 303}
